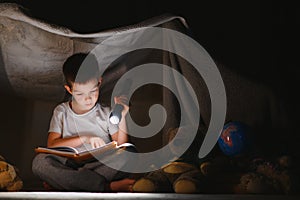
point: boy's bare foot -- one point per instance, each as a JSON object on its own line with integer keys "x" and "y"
{"x": 123, "y": 185}
{"x": 47, "y": 186}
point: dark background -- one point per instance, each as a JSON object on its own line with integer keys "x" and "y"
{"x": 258, "y": 39}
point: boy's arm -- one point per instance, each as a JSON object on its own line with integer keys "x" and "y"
{"x": 55, "y": 133}
{"x": 55, "y": 139}
{"x": 122, "y": 135}
{"x": 56, "y": 128}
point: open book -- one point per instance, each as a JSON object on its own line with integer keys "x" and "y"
{"x": 80, "y": 154}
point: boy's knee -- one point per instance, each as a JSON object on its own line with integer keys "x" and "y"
{"x": 38, "y": 164}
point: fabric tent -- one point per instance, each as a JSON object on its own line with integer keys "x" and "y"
{"x": 33, "y": 51}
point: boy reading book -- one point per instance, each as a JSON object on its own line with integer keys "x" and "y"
{"x": 83, "y": 122}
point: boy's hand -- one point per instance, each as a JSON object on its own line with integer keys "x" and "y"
{"x": 94, "y": 141}
{"x": 123, "y": 100}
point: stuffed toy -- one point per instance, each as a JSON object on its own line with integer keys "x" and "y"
{"x": 9, "y": 179}
{"x": 240, "y": 169}
{"x": 234, "y": 166}
{"x": 221, "y": 174}
{"x": 247, "y": 175}
{"x": 180, "y": 176}
{"x": 224, "y": 166}
{"x": 267, "y": 176}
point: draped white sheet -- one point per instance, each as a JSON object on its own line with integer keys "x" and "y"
{"x": 32, "y": 51}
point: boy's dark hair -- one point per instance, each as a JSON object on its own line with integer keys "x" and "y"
{"x": 80, "y": 68}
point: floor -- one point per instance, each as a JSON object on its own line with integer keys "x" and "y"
{"x": 134, "y": 196}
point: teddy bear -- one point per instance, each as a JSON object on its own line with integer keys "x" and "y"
{"x": 240, "y": 168}
{"x": 233, "y": 166}
{"x": 247, "y": 175}
{"x": 9, "y": 179}
{"x": 181, "y": 176}
{"x": 270, "y": 176}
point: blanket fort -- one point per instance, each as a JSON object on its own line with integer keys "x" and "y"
{"x": 33, "y": 51}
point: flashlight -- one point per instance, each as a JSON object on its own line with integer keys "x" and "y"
{"x": 115, "y": 115}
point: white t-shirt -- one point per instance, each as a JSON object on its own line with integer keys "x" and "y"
{"x": 95, "y": 122}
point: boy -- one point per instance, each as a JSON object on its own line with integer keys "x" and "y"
{"x": 82, "y": 122}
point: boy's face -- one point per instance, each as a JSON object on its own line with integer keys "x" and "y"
{"x": 86, "y": 94}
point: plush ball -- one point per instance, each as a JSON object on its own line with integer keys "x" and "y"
{"x": 235, "y": 139}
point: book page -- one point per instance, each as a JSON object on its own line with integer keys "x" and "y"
{"x": 64, "y": 148}
{"x": 84, "y": 152}
{"x": 84, "y": 148}
{"x": 125, "y": 145}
